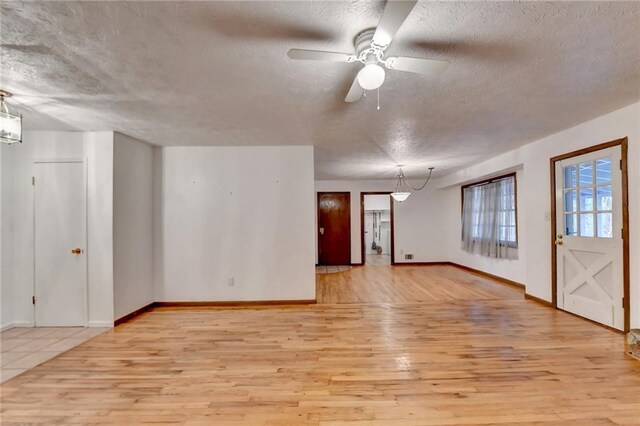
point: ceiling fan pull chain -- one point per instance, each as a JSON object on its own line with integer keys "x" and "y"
{"x": 378, "y": 99}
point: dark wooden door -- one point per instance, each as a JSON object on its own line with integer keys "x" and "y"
{"x": 334, "y": 228}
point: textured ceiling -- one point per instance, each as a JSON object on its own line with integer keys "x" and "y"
{"x": 216, "y": 73}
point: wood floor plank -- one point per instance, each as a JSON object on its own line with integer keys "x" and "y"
{"x": 464, "y": 350}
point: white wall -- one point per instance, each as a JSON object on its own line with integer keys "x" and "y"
{"x": 417, "y": 221}
{"x": 377, "y": 202}
{"x": 133, "y": 224}
{"x": 18, "y": 212}
{"x": 242, "y": 212}
{"x": 534, "y": 267}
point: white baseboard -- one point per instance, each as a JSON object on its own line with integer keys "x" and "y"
{"x": 30, "y": 324}
{"x": 16, "y": 324}
{"x": 100, "y": 324}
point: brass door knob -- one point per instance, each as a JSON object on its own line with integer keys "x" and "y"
{"x": 558, "y": 242}
{"x": 76, "y": 251}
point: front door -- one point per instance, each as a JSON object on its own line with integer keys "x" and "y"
{"x": 334, "y": 228}
{"x": 589, "y": 236}
{"x": 60, "y": 244}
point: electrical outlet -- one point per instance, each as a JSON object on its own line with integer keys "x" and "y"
{"x": 231, "y": 282}
{"x": 408, "y": 256}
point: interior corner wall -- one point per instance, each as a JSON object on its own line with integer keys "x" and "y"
{"x": 133, "y": 224}
{"x": 18, "y": 213}
{"x": 158, "y": 222}
{"x": 418, "y": 221}
{"x": 6, "y": 293}
{"x": 534, "y": 201}
{"x": 238, "y": 224}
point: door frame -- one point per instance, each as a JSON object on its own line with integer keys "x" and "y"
{"x": 86, "y": 220}
{"x": 391, "y": 225}
{"x": 623, "y": 143}
{"x": 318, "y": 194}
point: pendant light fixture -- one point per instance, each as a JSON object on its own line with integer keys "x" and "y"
{"x": 403, "y": 188}
{"x": 10, "y": 123}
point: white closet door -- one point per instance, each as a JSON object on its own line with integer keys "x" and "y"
{"x": 60, "y": 244}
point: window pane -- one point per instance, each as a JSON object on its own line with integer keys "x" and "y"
{"x": 603, "y": 170}
{"x": 586, "y": 225}
{"x": 585, "y": 174}
{"x": 570, "y": 201}
{"x": 604, "y": 198}
{"x": 570, "y": 224}
{"x": 605, "y": 225}
{"x": 586, "y": 199}
{"x": 503, "y": 233}
{"x": 569, "y": 176}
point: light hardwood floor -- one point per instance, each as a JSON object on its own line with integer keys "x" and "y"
{"x": 378, "y": 259}
{"x": 471, "y": 352}
{"x": 409, "y": 284}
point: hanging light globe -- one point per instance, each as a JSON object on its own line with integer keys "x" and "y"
{"x": 371, "y": 76}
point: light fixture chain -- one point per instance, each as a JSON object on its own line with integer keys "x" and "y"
{"x": 423, "y": 185}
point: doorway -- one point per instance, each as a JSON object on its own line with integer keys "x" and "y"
{"x": 590, "y": 240}
{"x": 60, "y": 287}
{"x": 334, "y": 228}
{"x": 376, "y": 228}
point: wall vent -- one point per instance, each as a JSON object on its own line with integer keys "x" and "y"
{"x": 408, "y": 257}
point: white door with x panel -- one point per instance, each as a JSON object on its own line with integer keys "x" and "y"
{"x": 589, "y": 236}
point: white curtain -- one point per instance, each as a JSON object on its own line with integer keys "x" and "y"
{"x": 489, "y": 219}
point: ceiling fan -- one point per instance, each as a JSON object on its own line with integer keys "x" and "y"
{"x": 370, "y": 48}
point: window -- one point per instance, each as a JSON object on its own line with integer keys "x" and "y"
{"x": 588, "y": 200}
{"x": 489, "y": 224}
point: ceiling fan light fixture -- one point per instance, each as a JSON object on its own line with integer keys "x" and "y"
{"x": 371, "y": 76}
{"x": 400, "y": 196}
{"x": 10, "y": 123}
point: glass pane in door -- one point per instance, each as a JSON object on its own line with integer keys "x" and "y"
{"x": 587, "y": 228}
{"x": 603, "y": 170}
{"x": 605, "y": 225}
{"x": 604, "y": 199}
{"x": 571, "y": 224}
{"x": 569, "y": 176}
{"x": 570, "y": 201}
{"x": 586, "y": 199}
{"x": 585, "y": 173}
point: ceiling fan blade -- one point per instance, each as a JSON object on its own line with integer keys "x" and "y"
{"x": 394, "y": 15}
{"x": 318, "y": 55}
{"x": 416, "y": 65}
{"x": 355, "y": 93}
